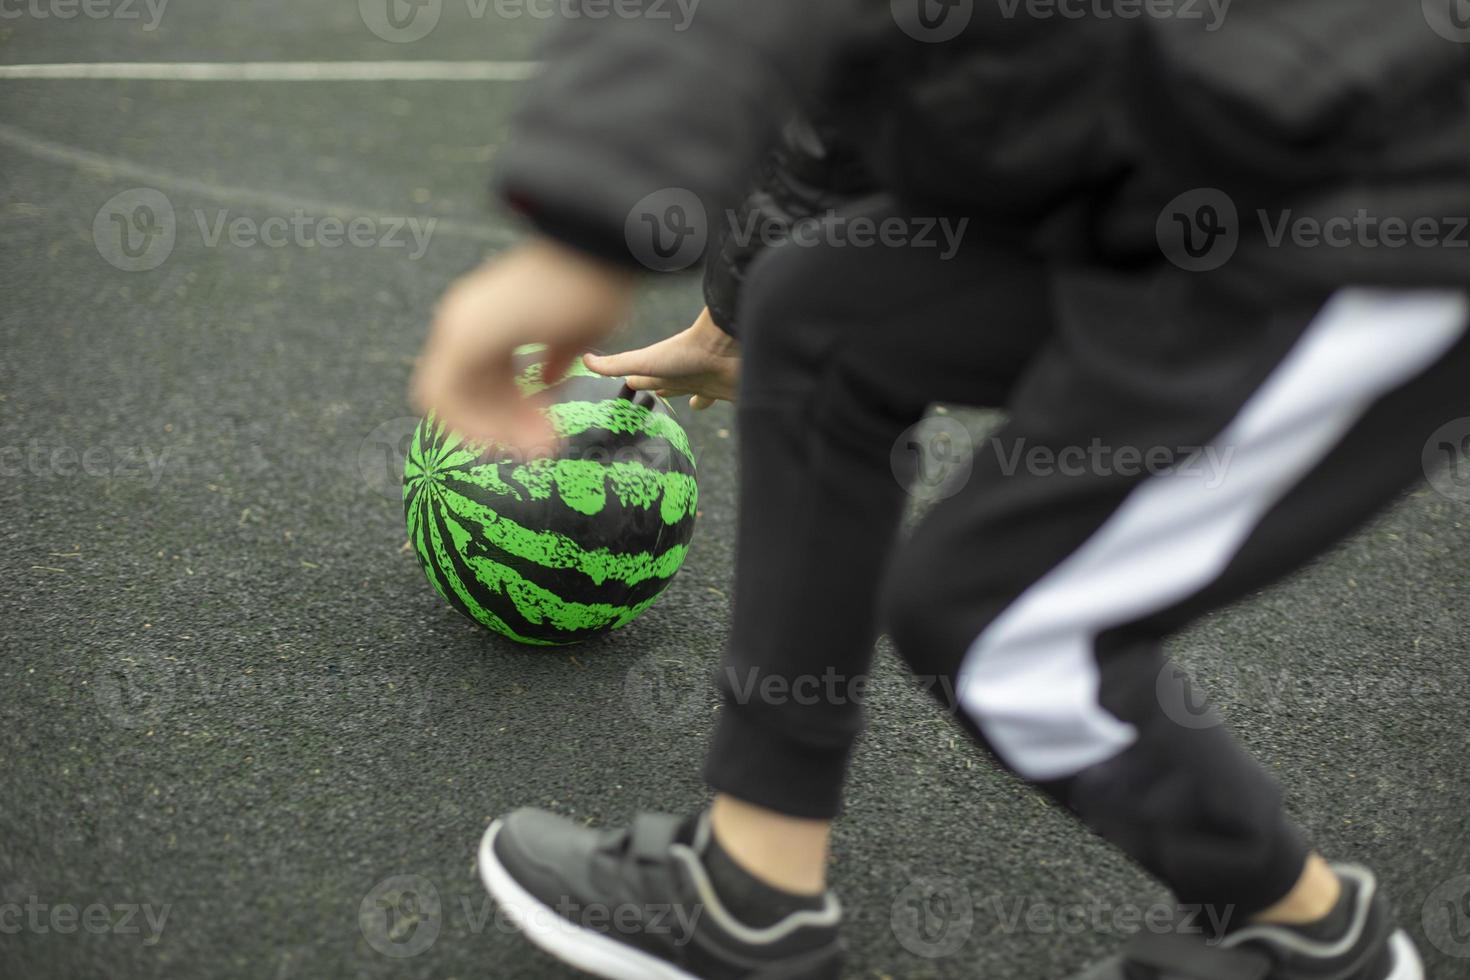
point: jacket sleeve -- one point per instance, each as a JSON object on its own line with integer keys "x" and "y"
{"x": 812, "y": 169}
{"x": 1289, "y": 96}
{"x": 651, "y": 115}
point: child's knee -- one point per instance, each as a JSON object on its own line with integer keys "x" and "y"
{"x": 780, "y": 294}
{"x": 789, "y": 334}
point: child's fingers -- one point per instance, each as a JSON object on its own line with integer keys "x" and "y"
{"x": 642, "y": 361}
{"x": 643, "y": 382}
{"x": 700, "y": 402}
{"x": 476, "y": 396}
{"x": 558, "y": 360}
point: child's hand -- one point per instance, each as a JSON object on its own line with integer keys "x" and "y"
{"x": 538, "y": 293}
{"x": 702, "y": 361}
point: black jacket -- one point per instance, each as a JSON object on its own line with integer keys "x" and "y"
{"x": 1075, "y": 131}
{"x": 814, "y": 168}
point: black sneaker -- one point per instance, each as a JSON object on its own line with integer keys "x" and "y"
{"x": 637, "y": 904}
{"x": 1368, "y": 947}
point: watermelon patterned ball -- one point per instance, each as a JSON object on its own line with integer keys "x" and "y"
{"x": 556, "y": 549}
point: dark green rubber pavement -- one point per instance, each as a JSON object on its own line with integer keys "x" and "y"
{"x": 240, "y": 736}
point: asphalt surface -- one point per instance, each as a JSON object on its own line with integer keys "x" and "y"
{"x": 235, "y": 717}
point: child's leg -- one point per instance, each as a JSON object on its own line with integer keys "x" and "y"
{"x": 1044, "y": 596}
{"x": 844, "y": 347}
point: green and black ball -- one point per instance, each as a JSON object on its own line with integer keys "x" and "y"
{"x": 556, "y": 549}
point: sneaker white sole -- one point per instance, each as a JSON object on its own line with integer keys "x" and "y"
{"x": 582, "y": 948}
{"x": 1406, "y": 962}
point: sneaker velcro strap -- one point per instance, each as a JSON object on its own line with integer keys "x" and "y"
{"x": 653, "y": 835}
{"x": 1175, "y": 956}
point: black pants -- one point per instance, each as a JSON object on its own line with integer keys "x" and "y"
{"x": 1175, "y": 440}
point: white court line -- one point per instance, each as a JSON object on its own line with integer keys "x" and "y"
{"x": 114, "y": 168}
{"x": 283, "y": 71}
